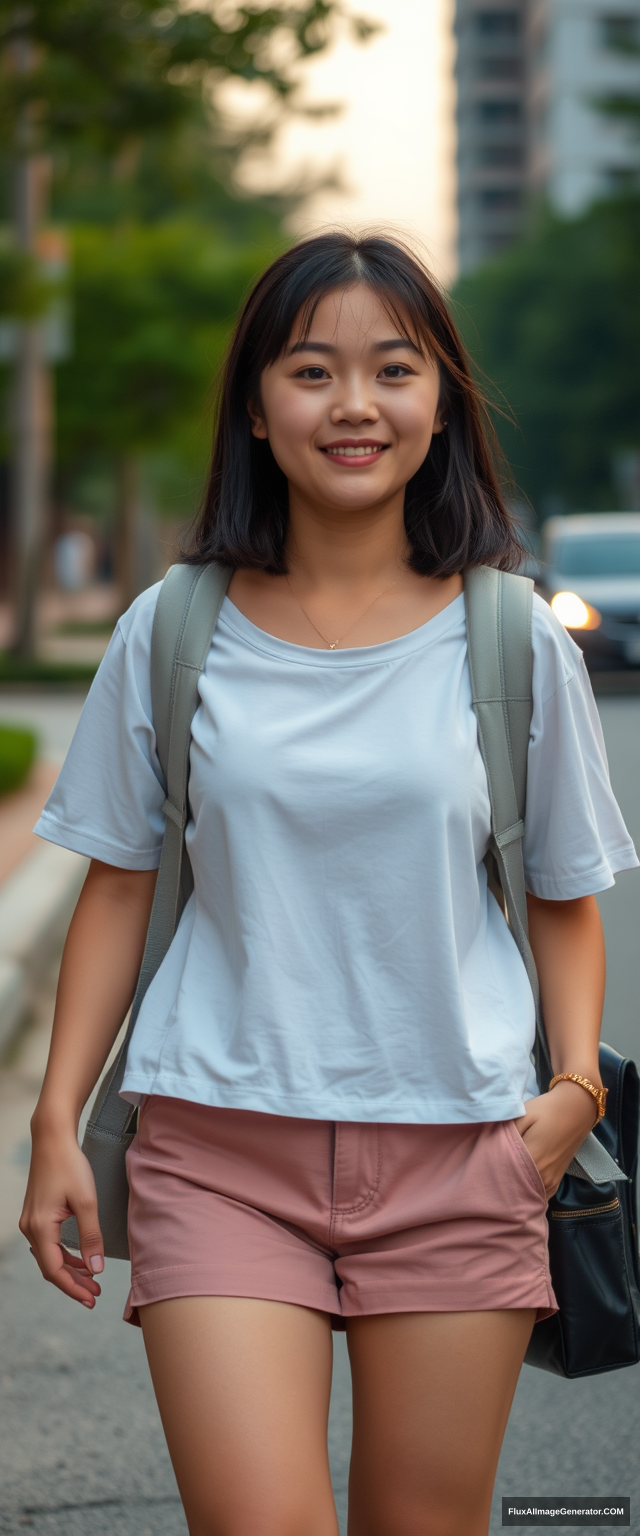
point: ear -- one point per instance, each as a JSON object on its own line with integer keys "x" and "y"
{"x": 258, "y": 423}
{"x": 439, "y": 423}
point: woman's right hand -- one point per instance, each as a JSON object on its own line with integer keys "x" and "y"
{"x": 61, "y": 1184}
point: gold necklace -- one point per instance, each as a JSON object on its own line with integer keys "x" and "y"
{"x": 332, "y": 645}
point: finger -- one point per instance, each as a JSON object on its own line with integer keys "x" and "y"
{"x": 53, "y": 1263}
{"x": 74, "y": 1259}
{"x": 91, "y": 1244}
{"x": 75, "y": 1262}
{"x": 77, "y": 1284}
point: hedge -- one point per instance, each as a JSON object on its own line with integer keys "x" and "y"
{"x": 17, "y": 752}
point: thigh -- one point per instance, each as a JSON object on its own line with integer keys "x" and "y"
{"x": 243, "y": 1390}
{"x": 431, "y": 1398}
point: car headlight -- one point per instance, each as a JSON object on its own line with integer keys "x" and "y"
{"x": 574, "y": 613}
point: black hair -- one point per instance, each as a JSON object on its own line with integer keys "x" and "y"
{"x": 455, "y": 512}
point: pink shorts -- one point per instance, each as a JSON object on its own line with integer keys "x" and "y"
{"x": 345, "y": 1218}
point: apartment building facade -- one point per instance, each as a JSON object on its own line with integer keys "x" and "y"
{"x": 531, "y": 75}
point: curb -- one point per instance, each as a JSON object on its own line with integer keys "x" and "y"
{"x": 36, "y": 904}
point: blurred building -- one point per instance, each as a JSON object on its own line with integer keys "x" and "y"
{"x": 491, "y": 72}
{"x": 530, "y": 77}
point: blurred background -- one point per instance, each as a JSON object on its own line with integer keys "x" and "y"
{"x": 154, "y": 156}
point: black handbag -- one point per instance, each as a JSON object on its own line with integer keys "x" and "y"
{"x": 593, "y": 1249}
{"x": 593, "y": 1240}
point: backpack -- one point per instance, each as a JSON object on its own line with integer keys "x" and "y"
{"x": 593, "y": 1242}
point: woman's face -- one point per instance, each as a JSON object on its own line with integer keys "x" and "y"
{"x": 350, "y": 411}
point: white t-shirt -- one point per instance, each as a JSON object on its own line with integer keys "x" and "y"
{"x": 341, "y": 957}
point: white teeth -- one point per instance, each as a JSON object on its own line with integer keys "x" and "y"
{"x": 354, "y": 453}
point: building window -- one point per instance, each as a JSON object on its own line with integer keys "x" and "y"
{"x": 509, "y": 156}
{"x": 500, "y": 198}
{"x": 498, "y": 23}
{"x": 621, "y": 32}
{"x": 506, "y": 67}
{"x": 499, "y": 111}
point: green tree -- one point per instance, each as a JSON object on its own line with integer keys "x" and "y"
{"x": 153, "y": 308}
{"x": 555, "y": 325}
{"x": 105, "y": 73}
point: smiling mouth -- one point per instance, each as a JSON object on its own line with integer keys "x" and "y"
{"x": 355, "y": 452}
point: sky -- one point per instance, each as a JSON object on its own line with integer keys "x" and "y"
{"x": 392, "y": 147}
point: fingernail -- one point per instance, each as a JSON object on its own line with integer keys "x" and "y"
{"x": 97, "y": 1264}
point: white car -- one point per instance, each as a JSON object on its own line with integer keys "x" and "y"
{"x": 591, "y": 576}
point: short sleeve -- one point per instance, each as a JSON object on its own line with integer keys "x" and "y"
{"x": 575, "y": 838}
{"x": 107, "y": 800}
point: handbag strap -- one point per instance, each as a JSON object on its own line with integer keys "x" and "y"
{"x": 187, "y": 610}
{"x": 498, "y": 609}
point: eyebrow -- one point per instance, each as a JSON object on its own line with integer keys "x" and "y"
{"x": 328, "y": 349}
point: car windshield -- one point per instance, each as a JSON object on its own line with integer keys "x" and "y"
{"x": 593, "y": 554}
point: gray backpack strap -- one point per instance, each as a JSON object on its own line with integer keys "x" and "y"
{"x": 186, "y": 615}
{"x": 498, "y": 608}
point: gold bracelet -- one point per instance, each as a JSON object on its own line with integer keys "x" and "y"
{"x": 599, "y": 1094}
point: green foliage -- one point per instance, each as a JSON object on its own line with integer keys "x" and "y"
{"x": 555, "y": 324}
{"x": 17, "y": 752}
{"x": 104, "y": 72}
{"x": 24, "y": 293}
{"x": 153, "y": 307}
{"x": 165, "y": 176}
{"x": 21, "y": 669}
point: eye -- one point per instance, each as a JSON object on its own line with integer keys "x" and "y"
{"x": 395, "y": 371}
{"x": 314, "y": 373}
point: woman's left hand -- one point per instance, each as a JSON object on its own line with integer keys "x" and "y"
{"x": 554, "y": 1126}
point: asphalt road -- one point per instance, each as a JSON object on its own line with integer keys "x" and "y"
{"x": 620, "y": 907}
{"x": 80, "y": 1440}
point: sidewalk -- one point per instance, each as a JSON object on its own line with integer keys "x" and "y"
{"x": 39, "y": 883}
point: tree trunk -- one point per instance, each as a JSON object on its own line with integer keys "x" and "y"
{"x": 30, "y": 478}
{"x": 32, "y": 412}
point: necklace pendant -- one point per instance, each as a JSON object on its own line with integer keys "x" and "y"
{"x": 333, "y": 645}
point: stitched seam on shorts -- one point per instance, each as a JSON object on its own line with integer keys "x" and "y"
{"x": 351, "y": 1210}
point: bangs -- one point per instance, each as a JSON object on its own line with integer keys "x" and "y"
{"x": 411, "y": 325}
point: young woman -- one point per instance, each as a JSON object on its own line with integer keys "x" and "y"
{"x": 339, "y": 1121}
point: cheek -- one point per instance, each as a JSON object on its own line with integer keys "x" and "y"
{"x": 293, "y": 418}
{"x": 412, "y": 415}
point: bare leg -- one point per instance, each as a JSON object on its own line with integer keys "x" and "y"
{"x": 431, "y": 1397}
{"x": 243, "y": 1391}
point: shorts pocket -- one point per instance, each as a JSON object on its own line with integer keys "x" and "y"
{"x": 529, "y": 1163}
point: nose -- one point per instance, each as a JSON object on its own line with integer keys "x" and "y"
{"x": 355, "y": 404}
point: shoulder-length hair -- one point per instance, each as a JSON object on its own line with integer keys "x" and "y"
{"x": 455, "y": 513}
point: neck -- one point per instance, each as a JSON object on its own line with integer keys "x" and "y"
{"x": 334, "y": 547}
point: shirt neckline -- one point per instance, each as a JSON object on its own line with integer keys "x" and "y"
{"x": 352, "y": 656}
